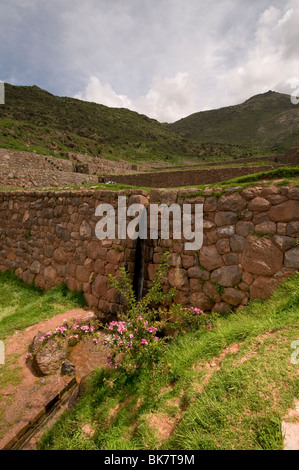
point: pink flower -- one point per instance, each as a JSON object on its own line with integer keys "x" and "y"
{"x": 143, "y": 341}
{"x": 152, "y": 329}
{"x": 131, "y": 336}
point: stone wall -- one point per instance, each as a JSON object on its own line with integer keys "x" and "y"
{"x": 251, "y": 244}
{"x": 173, "y": 179}
{"x": 26, "y": 169}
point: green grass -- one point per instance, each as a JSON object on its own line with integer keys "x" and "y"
{"x": 264, "y": 178}
{"x": 240, "y": 407}
{"x": 22, "y": 305}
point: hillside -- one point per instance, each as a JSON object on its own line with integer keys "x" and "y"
{"x": 34, "y": 120}
{"x": 268, "y": 121}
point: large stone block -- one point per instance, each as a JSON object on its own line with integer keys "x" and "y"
{"x": 262, "y": 288}
{"x": 178, "y": 278}
{"x": 209, "y": 258}
{"x": 233, "y": 296}
{"x": 292, "y": 258}
{"x": 261, "y": 256}
{"x": 259, "y": 204}
{"x": 227, "y": 276}
{"x": 286, "y": 212}
{"x": 231, "y": 202}
{"x": 225, "y": 218}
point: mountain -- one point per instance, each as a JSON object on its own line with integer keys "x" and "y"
{"x": 267, "y": 121}
{"x": 34, "y": 120}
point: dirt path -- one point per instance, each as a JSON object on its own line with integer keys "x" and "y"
{"x": 21, "y": 404}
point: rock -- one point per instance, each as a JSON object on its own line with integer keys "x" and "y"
{"x": 223, "y": 246}
{"x": 261, "y": 256}
{"x": 251, "y": 193}
{"x": 259, "y": 204}
{"x": 67, "y": 368}
{"x": 202, "y": 301}
{"x": 92, "y": 249}
{"x": 63, "y": 233}
{"x": 284, "y": 243}
{"x": 187, "y": 261}
{"x": 221, "y": 307}
{"x": 247, "y": 278}
{"x": 262, "y": 288}
{"x": 209, "y": 258}
{"x": 49, "y": 357}
{"x": 293, "y": 193}
{"x": 210, "y": 204}
{"x": 178, "y": 278}
{"x": 225, "y": 218}
{"x": 227, "y": 276}
{"x": 231, "y": 202}
{"x": 237, "y": 243}
{"x": 82, "y": 274}
{"x": 35, "y": 267}
{"x": 266, "y": 227}
{"x": 276, "y": 199}
{"x": 60, "y": 256}
{"x": 226, "y": 231}
{"x": 293, "y": 229}
{"x": 291, "y": 259}
{"x": 281, "y": 229}
{"x": 208, "y": 225}
{"x": 233, "y": 296}
{"x": 231, "y": 258}
{"x": 244, "y": 228}
{"x": 285, "y": 212}
{"x": 197, "y": 273}
{"x": 85, "y": 230}
{"x": 211, "y": 292}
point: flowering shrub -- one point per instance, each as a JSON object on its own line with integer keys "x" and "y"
{"x": 71, "y": 333}
{"x": 137, "y": 339}
{"x": 182, "y": 319}
{"x": 135, "y": 342}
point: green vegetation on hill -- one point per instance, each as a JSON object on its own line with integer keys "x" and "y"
{"x": 34, "y": 120}
{"x": 267, "y": 121}
{"x": 226, "y": 388}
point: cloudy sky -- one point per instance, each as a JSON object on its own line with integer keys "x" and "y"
{"x": 163, "y": 58}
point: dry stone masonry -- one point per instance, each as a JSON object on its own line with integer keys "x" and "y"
{"x": 251, "y": 244}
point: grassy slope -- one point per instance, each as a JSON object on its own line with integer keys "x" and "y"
{"x": 22, "y": 305}
{"x": 208, "y": 401}
{"x": 268, "y": 120}
{"x": 33, "y": 119}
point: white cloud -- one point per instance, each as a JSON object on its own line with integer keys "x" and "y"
{"x": 167, "y": 100}
{"x": 271, "y": 62}
{"x": 166, "y": 59}
{"x": 103, "y": 94}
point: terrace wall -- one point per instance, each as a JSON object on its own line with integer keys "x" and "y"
{"x": 251, "y": 244}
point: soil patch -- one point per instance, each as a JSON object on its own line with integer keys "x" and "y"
{"x": 21, "y": 404}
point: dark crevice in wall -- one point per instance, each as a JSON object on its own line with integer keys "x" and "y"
{"x": 138, "y": 279}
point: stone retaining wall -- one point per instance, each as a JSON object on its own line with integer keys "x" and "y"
{"x": 251, "y": 244}
{"x": 173, "y": 179}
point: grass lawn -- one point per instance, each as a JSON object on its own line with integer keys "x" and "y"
{"x": 228, "y": 388}
{"x": 22, "y": 305}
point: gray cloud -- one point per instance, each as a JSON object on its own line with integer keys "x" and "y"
{"x": 166, "y": 59}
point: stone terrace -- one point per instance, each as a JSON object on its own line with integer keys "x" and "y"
{"x": 250, "y": 244}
